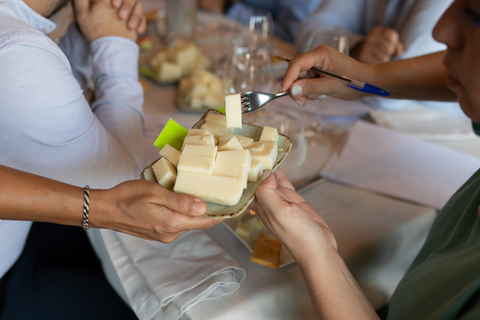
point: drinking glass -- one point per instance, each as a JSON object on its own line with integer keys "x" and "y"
{"x": 249, "y": 67}
{"x": 314, "y": 123}
{"x": 181, "y": 18}
{"x": 260, "y": 26}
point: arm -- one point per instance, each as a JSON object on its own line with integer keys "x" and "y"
{"x": 139, "y": 208}
{"x": 333, "y": 290}
{"x": 49, "y": 127}
{"x": 408, "y": 36}
{"x": 77, "y": 48}
{"x": 421, "y": 78}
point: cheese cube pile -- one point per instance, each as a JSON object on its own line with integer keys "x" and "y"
{"x": 203, "y": 89}
{"x": 215, "y": 164}
{"x": 170, "y": 64}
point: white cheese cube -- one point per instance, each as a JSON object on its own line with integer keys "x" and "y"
{"x": 264, "y": 151}
{"x": 269, "y": 134}
{"x": 196, "y": 163}
{"x": 171, "y": 154}
{"x": 184, "y": 55}
{"x": 244, "y": 141}
{"x": 235, "y": 164}
{"x": 230, "y": 144}
{"x": 158, "y": 58}
{"x": 233, "y": 110}
{"x": 165, "y": 173}
{"x": 197, "y": 150}
{"x": 221, "y": 190}
{"x": 214, "y": 128}
{"x": 202, "y": 140}
{"x": 256, "y": 170}
{"x": 201, "y": 62}
{"x": 194, "y": 184}
{"x": 217, "y": 118}
{"x": 225, "y": 190}
{"x": 202, "y": 89}
{"x": 165, "y": 71}
{"x": 197, "y": 132}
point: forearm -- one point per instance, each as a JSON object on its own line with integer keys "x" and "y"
{"x": 421, "y": 78}
{"x": 28, "y": 197}
{"x": 333, "y": 290}
{"x": 119, "y": 96}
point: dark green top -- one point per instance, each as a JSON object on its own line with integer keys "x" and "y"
{"x": 443, "y": 281}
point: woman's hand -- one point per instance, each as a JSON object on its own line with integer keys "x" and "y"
{"x": 295, "y": 223}
{"x": 147, "y": 210}
{"x": 324, "y": 57}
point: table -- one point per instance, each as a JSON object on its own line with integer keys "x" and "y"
{"x": 378, "y": 236}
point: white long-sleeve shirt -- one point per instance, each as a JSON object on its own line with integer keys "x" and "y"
{"x": 414, "y": 20}
{"x": 46, "y": 125}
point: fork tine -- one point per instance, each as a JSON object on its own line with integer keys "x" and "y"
{"x": 251, "y": 101}
{"x": 245, "y": 101}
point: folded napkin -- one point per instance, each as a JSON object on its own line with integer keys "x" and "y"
{"x": 399, "y": 165}
{"x": 162, "y": 280}
{"x": 426, "y": 124}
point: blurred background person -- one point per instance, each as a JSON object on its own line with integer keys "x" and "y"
{"x": 378, "y": 31}
{"x": 287, "y": 15}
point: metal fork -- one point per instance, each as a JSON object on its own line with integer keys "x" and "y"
{"x": 252, "y": 101}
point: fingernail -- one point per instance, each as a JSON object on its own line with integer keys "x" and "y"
{"x": 199, "y": 207}
{"x": 266, "y": 174}
{"x": 299, "y": 103}
{"x": 296, "y": 90}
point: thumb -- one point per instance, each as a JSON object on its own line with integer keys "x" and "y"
{"x": 184, "y": 204}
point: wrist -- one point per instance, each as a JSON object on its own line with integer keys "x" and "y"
{"x": 305, "y": 254}
{"x": 100, "y": 207}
